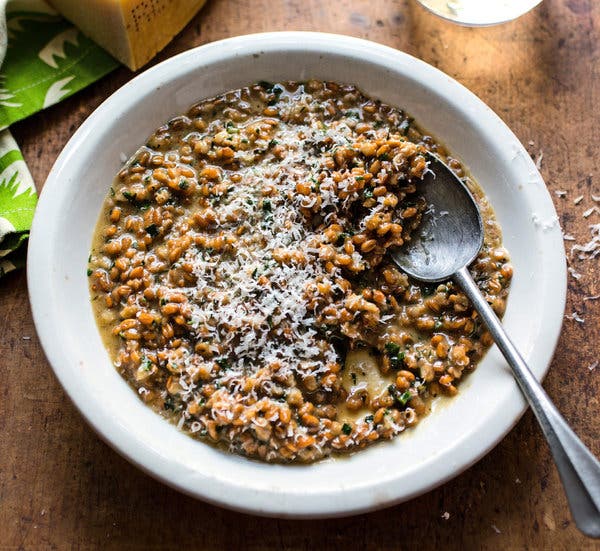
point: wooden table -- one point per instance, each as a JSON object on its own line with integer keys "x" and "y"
{"x": 62, "y": 488}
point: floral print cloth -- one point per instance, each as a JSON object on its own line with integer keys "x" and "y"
{"x": 44, "y": 59}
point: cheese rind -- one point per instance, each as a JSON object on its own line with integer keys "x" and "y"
{"x": 133, "y": 31}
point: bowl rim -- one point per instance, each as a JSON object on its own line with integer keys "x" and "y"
{"x": 246, "y": 498}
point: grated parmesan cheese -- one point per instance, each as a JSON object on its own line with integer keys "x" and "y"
{"x": 575, "y": 317}
{"x": 591, "y": 249}
{"x": 590, "y": 211}
{"x": 538, "y": 161}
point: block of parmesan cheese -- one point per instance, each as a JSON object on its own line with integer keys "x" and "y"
{"x": 133, "y": 31}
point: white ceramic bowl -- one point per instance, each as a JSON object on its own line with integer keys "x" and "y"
{"x": 446, "y": 442}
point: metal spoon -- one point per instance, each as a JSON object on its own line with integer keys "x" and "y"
{"x": 448, "y": 240}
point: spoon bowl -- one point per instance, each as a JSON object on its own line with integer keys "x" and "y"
{"x": 451, "y": 231}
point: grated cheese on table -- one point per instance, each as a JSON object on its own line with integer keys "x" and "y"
{"x": 574, "y": 316}
{"x": 539, "y": 159}
{"x": 591, "y": 249}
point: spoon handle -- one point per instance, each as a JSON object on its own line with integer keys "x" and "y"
{"x": 578, "y": 468}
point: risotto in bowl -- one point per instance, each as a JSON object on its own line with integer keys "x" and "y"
{"x": 226, "y": 314}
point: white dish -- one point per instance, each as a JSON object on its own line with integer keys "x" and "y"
{"x": 442, "y": 445}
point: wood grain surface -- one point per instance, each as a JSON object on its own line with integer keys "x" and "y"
{"x": 62, "y": 488}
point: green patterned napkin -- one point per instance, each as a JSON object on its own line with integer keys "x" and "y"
{"x": 47, "y": 60}
{"x": 17, "y": 203}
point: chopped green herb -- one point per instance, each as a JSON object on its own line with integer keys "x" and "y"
{"x": 392, "y": 348}
{"x": 146, "y": 364}
{"x": 428, "y": 290}
{"x": 268, "y": 86}
{"x": 133, "y": 200}
{"x": 152, "y": 230}
{"x": 405, "y": 397}
{"x": 341, "y": 239}
{"x": 401, "y": 399}
{"x": 273, "y": 143}
{"x": 369, "y": 418}
{"x": 89, "y": 272}
{"x": 169, "y": 405}
{"x": 223, "y": 363}
{"x": 397, "y": 361}
{"x": 267, "y": 205}
{"x": 346, "y": 429}
{"x": 183, "y": 184}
